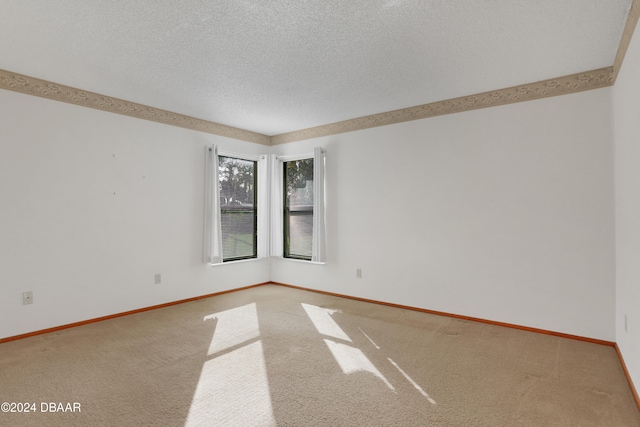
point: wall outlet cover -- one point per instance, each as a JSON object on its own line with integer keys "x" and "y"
{"x": 27, "y": 297}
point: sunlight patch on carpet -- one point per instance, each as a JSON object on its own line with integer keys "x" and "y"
{"x": 413, "y": 383}
{"x": 233, "y": 388}
{"x": 353, "y": 360}
{"x": 372, "y": 342}
{"x": 324, "y": 323}
{"x": 234, "y": 327}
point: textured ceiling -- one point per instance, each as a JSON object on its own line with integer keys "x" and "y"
{"x": 279, "y": 66}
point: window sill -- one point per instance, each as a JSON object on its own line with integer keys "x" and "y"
{"x": 236, "y": 262}
{"x": 260, "y": 259}
{"x": 302, "y": 260}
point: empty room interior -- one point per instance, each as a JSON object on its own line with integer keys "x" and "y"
{"x": 390, "y": 212}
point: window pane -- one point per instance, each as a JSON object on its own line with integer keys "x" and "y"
{"x": 300, "y": 233}
{"x": 238, "y": 229}
{"x": 237, "y": 207}
{"x": 298, "y": 209}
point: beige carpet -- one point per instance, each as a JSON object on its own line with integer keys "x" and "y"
{"x": 272, "y": 356}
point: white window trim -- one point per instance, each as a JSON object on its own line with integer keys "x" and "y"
{"x": 240, "y": 156}
{"x": 319, "y": 229}
{"x": 306, "y": 261}
{"x": 294, "y": 157}
{"x": 237, "y": 261}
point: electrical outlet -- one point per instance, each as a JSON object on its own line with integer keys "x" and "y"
{"x": 359, "y": 273}
{"x": 27, "y": 297}
{"x": 158, "y": 278}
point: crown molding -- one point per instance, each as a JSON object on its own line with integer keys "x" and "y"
{"x": 559, "y": 86}
{"x": 564, "y": 85}
{"x": 552, "y": 87}
{"x": 627, "y": 34}
{"x": 46, "y": 89}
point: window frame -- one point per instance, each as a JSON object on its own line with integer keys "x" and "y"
{"x": 286, "y": 212}
{"x": 255, "y": 161}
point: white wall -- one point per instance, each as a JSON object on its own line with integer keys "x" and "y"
{"x": 626, "y": 95}
{"x": 503, "y": 214}
{"x": 92, "y": 205}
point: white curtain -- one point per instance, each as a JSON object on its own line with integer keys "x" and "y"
{"x": 276, "y": 236}
{"x": 212, "y": 216}
{"x": 264, "y": 204}
{"x": 318, "y": 249}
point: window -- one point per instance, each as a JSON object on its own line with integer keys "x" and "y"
{"x": 289, "y": 191}
{"x": 238, "y": 210}
{"x": 298, "y": 209}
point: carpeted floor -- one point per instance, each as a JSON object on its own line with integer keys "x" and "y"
{"x": 276, "y": 356}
